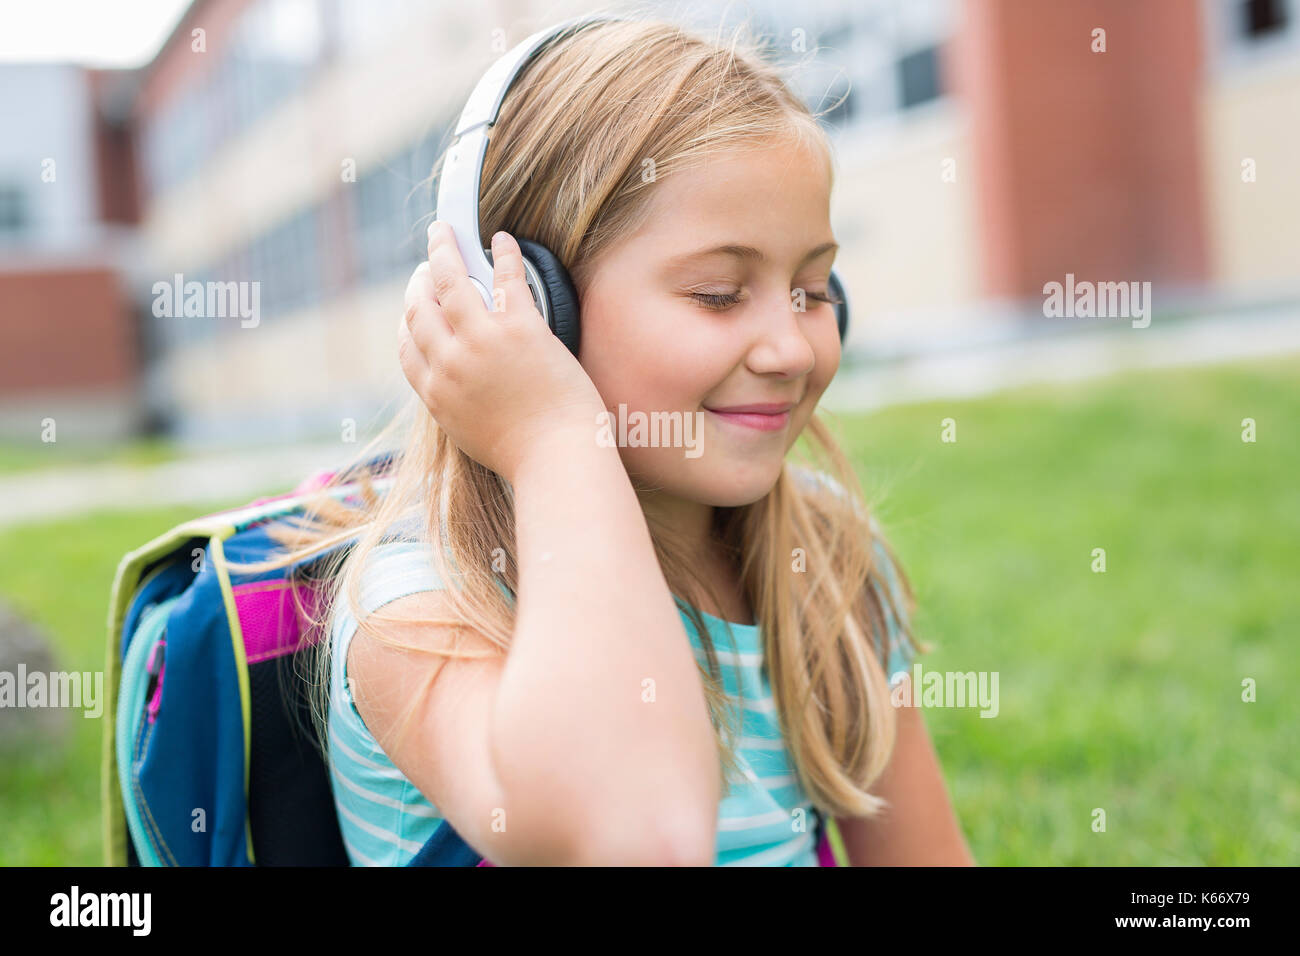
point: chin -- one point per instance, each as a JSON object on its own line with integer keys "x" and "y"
{"x": 724, "y": 484}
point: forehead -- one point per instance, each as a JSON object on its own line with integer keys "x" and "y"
{"x": 776, "y": 190}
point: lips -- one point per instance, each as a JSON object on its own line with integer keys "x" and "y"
{"x": 761, "y": 408}
{"x": 762, "y": 416}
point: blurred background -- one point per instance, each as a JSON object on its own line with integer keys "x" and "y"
{"x": 984, "y": 149}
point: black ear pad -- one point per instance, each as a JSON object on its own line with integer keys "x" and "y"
{"x": 842, "y": 310}
{"x": 562, "y": 297}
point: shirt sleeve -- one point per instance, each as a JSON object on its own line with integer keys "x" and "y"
{"x": 392, "y": 571}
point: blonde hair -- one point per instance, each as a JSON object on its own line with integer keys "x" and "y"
{"x": 564, "y": 168}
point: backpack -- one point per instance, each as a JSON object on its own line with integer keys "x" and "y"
{"x": 209, "y": 754}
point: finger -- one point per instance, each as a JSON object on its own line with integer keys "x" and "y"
{"x": 423, "y": 317}
{"x": 459, "y": 298}
{"x": 509, "y": 286}
{"x": 415, "y": 366}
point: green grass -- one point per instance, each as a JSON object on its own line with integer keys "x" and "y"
{"x": 1119, "y": 691}
{"x": 59, "y": 575}
{"x": 16, "y": 457}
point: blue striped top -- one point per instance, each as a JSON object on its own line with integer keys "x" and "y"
{"x": 763, "y": 820}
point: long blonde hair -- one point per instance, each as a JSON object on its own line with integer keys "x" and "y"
{"x": 564, "y": 168}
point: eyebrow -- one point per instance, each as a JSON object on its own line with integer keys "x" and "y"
{"x": 746, "y": 252}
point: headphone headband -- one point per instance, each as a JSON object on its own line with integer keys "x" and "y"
{"x": 461, "y": 175}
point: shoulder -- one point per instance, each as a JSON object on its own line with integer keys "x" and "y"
{"x": 815, "y": 481}
{"x": 395, "y": 569}
{"x": 389, "y": 572}
{"x": 812, "y": 479}
{"x": 887, "y": 577}
{"x": 366, "y": 675}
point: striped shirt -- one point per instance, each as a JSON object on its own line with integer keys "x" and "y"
{"x": 765, "y": 819}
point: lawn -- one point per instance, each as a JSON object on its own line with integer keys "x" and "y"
{"x": 16, "y": 457}
{"x": 1119, "y": 691}
{"x": 59, "y": 574}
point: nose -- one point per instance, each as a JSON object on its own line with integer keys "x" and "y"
{"x": 781, "y": 345}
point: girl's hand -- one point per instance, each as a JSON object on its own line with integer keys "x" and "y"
{"x": 500, "y": 383}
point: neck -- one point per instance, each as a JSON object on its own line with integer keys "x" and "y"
{"x": 688, "y": 521}
{"x": 692, "y": 524}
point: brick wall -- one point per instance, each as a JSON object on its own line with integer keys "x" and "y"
{"x": 65, "y": 330}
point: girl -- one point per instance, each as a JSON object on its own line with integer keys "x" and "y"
{"x": 628, "y": 654}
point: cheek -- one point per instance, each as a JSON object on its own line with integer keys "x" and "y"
{"x": 659, "y": 379}
{"x": 825, "y": 345}
{"x": 649, "y": 359}
{"x": 828, "y": 356}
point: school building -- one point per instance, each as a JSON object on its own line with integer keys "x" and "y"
{"x": 983, "y": 149}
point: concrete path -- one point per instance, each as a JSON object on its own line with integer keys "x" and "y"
{"x": 198, "y": 481}
{"x": 996, "y": 362}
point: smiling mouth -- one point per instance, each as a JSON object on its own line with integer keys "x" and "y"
{"x": 768, "y": 421}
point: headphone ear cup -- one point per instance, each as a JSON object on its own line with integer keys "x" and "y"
{"x": 561, "y": 305}
{"x": 842, "y": 309}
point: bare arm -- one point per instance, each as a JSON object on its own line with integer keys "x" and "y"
{"x": 595, "y": 621}
{"x": 554, "y": 741}
{"x": 564, "y": 746}
{"x": 919, "y": 828}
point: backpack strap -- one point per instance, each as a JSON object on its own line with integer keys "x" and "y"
{"x": 825, "y": 852}
{"x": 446, "y": 848}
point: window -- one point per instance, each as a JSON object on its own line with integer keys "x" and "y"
{"x": 13, "y": 211}
{"x": 839, "y": 104}
{"x": 272, "y": 53}
{"x": 1251, "y": 34}
{"x": 872, "y": 59}
{"x": 286, "y": 261}
{"x": 378, "y": 220}
{"x": 1263, "y": 17}
{"x": 918, "y": 77}
{"x": 392, "y": 201}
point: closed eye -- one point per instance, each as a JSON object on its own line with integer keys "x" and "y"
{"x": 719, "y": 301}
{"x": 827, "y": 297}
{"x": 712, "y": 300}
